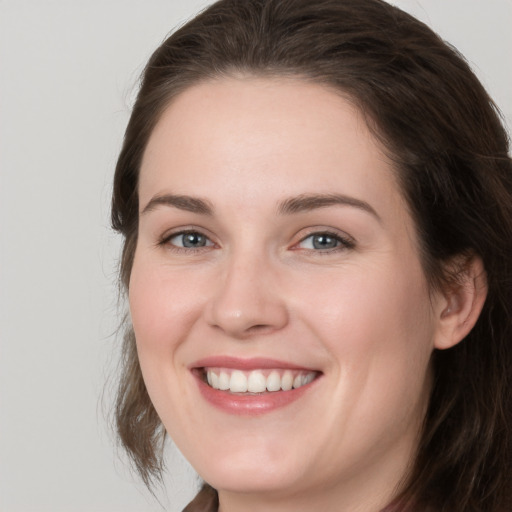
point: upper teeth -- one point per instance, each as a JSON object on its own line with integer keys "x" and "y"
{"x": 257, "y": 381}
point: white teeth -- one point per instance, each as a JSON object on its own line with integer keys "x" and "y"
{"x": 257, "y": 381}
{"x": 213, "y": 380}
{"x": 223, "y": 381}
{"x": 309, "y": 378}
{"x": 287, "y": 381}
{"x": 274, "y": 381}
{"x": 238, "y": 382}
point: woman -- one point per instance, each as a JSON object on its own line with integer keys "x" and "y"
{"x": 316, "y": 202}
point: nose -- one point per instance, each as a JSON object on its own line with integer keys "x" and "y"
{"x": 248, "y": 299}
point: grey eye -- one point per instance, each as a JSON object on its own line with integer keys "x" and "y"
{"x": 320, "y": 241}
{"x": 190, "y": 240}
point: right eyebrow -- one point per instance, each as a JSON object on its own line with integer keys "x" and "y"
{"x": 187, "y": 203}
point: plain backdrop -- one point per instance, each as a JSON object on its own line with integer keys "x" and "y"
{"x": 68, "y": 75}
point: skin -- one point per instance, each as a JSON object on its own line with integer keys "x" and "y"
{"x": 360, "y": 313}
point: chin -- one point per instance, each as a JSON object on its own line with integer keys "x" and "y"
{"x": 250, "y": 471}
{"x": 252, "y": 479}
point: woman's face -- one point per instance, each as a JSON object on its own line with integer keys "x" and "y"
{"x": 276, "y": 258}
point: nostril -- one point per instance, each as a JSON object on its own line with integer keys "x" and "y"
{"x": 260, "y": 328}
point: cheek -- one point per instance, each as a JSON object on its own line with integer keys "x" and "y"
{"x": 379, "y": 331}
{"x": 376, "y": 325}
{"x": 377, "y": 300}
{"x": 163, "y": 306}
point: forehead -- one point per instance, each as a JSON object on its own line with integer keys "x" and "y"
{"x": 259, "y": 137}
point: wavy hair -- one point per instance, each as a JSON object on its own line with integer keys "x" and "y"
{"x": 445, "y": 136}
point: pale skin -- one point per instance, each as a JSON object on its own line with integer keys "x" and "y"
{"x": 299, "y": 247}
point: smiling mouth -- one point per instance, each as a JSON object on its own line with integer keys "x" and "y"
{"x": 257, "y": 381}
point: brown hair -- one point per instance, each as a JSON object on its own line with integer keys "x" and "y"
{"x": 444, "y": 134}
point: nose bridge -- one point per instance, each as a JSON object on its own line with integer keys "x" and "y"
{"x": 247, "y": 299}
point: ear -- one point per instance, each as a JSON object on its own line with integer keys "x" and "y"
{"x": 460, "y": 303}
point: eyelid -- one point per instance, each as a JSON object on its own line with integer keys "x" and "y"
{"x": 164, "y": 239}
{"x": 345, "y": 240}
{"x": 183, "y": 234}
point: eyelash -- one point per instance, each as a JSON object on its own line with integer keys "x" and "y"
{"x": 166, "y": 239}
{"x": 343, "y": 243}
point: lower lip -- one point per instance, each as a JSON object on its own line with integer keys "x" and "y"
{"x": 250, "y": 405}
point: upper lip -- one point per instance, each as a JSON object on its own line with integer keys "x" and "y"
{"x": 254, "y": 363}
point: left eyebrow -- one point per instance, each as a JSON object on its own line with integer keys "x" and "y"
{"x": 307, "y": 202}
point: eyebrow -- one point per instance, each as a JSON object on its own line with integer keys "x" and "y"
{"x": 187, "y": 203}
{"x": 307, "y": 202}
{"x": 297, "y": 204}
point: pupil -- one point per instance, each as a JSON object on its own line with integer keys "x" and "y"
{"x": 193, "y": 240}
{"x": 324, "y": 242}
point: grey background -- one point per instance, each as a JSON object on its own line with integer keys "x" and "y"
{"x": 68, "y": 73}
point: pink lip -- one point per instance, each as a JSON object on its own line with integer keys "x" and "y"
{"x": 254, "y": 363}
{"x": 247, "y": 405}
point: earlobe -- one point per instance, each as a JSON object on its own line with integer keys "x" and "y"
{"x": 462, "y": 303}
